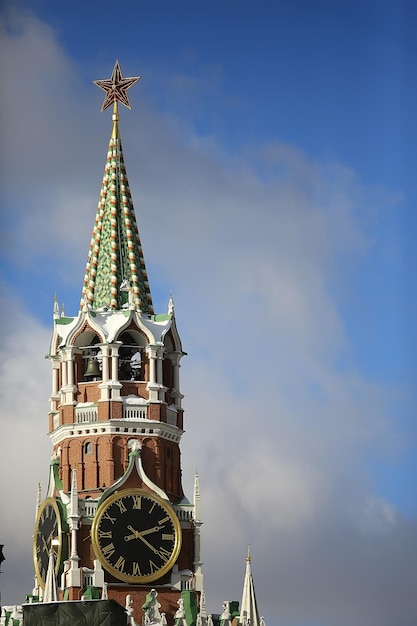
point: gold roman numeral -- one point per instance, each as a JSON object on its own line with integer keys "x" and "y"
{"x": 104, "y": 534}
{"x": 167, "y": 537}
{"x": 107, "y": 516}
{"x": 137, "y": 502}
{"x": 108, "y": 550}
{"x": 121, "y": 506}
{"x": 120, "y": 564}
{"x": 136, "y": 569}
{"x": 164, "y": 554}
{"x": 153, "y": 567}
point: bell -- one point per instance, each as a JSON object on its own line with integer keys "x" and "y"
{"x": 92, "y": 370}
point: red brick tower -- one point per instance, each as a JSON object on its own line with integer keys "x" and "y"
{"x": 115, "y": 513}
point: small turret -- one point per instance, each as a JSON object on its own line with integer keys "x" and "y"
{"x": 248, "y": 607}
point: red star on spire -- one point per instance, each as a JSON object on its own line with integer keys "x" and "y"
{"x": 116, "y": 87}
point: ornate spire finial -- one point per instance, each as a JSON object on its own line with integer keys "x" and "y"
{"x": 248, "y": 557}
{"x": 171, "y": 304}
{"x": 56, "y": 308}
{"x": 116, "y": 88}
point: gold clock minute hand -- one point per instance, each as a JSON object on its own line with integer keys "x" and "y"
{"x": 148, "y": 544}
{"x": 49, "y": 539}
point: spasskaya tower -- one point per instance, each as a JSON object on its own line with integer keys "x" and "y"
{"x": 115, "y": 518}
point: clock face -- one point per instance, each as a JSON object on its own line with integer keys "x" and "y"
{"x": 136, "y": 536}
{"x": 47, "y": 528}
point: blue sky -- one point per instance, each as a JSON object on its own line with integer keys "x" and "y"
{"x": 270, "y": 153}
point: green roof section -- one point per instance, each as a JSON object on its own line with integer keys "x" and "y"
{"x": 64, "y": 320}
{"x": 162, "y": 317}
{"x": 115, "y": 256}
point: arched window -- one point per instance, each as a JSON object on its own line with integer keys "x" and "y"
{"x": 88, "y": 448}
{"x": 130, "y": 358}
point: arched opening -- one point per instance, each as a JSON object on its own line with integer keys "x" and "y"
{"x": 132, "y": 356}
{"x": 89, "y": 358}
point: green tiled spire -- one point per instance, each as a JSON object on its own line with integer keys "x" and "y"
{"x": 115, "y": 253}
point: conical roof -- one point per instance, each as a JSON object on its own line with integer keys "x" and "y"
{"x": 248, "y": 606}
{"x": 115, "y": 263}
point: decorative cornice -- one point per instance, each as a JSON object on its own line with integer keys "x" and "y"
{"x": 142, "y": 428}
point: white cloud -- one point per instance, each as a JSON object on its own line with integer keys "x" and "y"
{"x": 25, "y": 447}
{"x": 260, "y": 249}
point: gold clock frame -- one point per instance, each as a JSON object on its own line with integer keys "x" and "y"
{"x": 169, "y": 511}
{"x": 58, "y": 555}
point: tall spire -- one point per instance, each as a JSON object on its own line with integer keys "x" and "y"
{"x": 115, "y": 254}
{"x": 248, "y": 606}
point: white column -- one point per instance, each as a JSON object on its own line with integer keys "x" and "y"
{"x": 152, "y": 386}
{"x": 114, "y": 363}
{"x": 70, "y": 367}
{"x": 68, "y": 386}
{"x": 160, "y": 375}
{"x": 105, "y": 385}
{"x": 176, "y": 358}
{"x": 160, "y": 356}
{"x": 73, "y": 576}
{"x": 115, "y": 384}
{"x": 198, "y": 574}
{"x": 63, "y": 372}
{"x": 55, "y": 384}
{"x": 105, "y": 363}
{"x": 151, "y": 350}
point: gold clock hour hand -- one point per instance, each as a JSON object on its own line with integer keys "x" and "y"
{"x": 134, "y": 534}
{"x": 149, "y": 531}
{"x": 138, "y": 534}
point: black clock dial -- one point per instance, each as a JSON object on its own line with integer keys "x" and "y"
{"x": 136, "y": 536}
{"x": 47, "y": 528}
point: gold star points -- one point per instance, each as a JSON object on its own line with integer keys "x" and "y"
{"x": 116, "y": 87}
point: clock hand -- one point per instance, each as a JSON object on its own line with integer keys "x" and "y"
{"x": 45, "y": 545}
{"x": 138, "y": 534}
{"x": 49, "y": 539}
{"x": 148, "y": 531}
{"x": 148, "y": 544}
{"x": 133, "y": 535}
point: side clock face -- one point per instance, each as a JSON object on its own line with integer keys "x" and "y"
{"x": 136, "y": 536}
{"x": 47, "y": 528}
